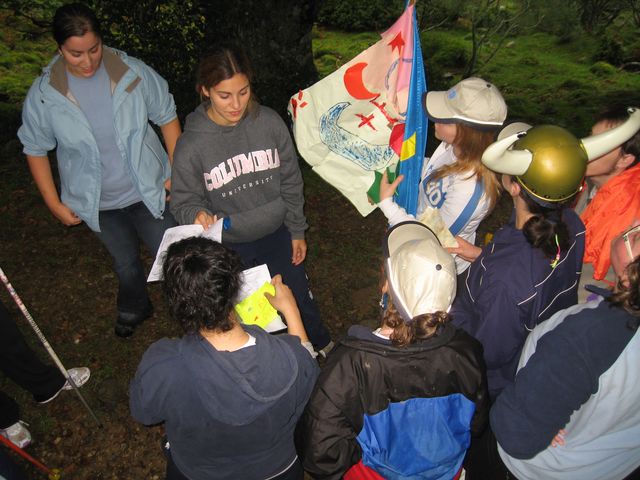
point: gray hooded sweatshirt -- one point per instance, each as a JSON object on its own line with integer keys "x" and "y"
{"x": 247, "y": 173}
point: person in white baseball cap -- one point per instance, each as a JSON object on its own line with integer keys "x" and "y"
{"x": 466, "y": 119}
{"x": 416, "y": 365}
{"x": 421, "y": 275}
{"x": 473, "y": 101}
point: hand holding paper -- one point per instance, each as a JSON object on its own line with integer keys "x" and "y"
{"x": 431, "y": 218}
{"x": 256, "y": 309}
{"x": 205, "y": 219}
{"x": 174, "y": 234}
{"x": 466, "y": 250}
{"x": 286, "y": 304}
{"x": 281, "y": 297}
{"x": 253, "y": 306}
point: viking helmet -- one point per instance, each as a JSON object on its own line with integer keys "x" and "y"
{"x": 548, "y": 161}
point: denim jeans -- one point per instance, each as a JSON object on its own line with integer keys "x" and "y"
{"x": 121, "y": 232}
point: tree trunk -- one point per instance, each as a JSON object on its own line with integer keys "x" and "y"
{"x": 276, "y": 35}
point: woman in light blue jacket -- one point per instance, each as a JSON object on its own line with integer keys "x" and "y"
{"x": 92, "y": 104}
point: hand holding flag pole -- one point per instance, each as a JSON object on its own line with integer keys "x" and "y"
{"x": 367, "y": 117}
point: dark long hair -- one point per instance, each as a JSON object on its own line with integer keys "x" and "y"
{"x": 547, "y": 223}
{"x": 222, "y": 62}
{"x": 74, "y": 20}
{"x": 201, "y": 282}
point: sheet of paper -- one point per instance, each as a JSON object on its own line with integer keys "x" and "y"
{"x": 431, "y": 218}
{"x": 256, "y": 309}
{"x": 252, "y": 288}
{"x": 174, "y": 234}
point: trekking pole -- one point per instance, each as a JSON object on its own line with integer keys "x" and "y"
{"x": 44, "y": 341}
{"x": 54, "y": 474}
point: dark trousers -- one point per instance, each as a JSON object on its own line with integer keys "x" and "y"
{"x": 275, "y": 250}
{"x": 483, "y": 462}
{"x": 120, "y": 232}
{"x": 8, "y": 468}
{"x": 20, "y": 364}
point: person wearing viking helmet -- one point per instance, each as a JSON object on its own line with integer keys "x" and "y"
{"x": 572, "y": 411}
{"x": 610, "y": 203}
{"x": 531, "y": 268}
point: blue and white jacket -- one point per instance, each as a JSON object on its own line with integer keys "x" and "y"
{"x": 405, "y": 412}
{"x": 578, "y": 371}
{"x": 509, "y": 289}
{"x": 52, "y": 119}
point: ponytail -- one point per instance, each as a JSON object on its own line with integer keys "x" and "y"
{"x": 546, "y": 230}
{"x": 421, "y": 327}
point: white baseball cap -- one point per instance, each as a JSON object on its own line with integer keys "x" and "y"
{"x": 421, "y": 274}
{"x": 473, "y": 101}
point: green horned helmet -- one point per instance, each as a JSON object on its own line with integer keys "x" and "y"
{"x": 548, "y": 161}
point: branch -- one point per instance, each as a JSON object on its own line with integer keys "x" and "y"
{"x": 433, "y": 27}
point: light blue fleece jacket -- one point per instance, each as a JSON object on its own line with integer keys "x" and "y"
{"x": 52, "y": 119}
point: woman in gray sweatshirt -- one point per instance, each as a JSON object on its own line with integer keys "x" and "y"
{"x": 236, "y": 162}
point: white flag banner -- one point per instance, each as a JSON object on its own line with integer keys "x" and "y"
{"x": 352, "y": 123}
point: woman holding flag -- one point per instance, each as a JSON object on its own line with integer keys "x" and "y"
{"x": 454, "y": 181}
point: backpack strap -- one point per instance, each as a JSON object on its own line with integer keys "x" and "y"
{"x": 464, "y": 217}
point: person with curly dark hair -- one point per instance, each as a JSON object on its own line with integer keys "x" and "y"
{"x": 404, "y": 398}
{"x": 230, "y": 394}
{"x": 572, "y": 411}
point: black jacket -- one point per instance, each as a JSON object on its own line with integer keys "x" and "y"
{"x": 434, "y": 379}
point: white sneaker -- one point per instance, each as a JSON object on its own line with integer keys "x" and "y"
{"x": 79, "y": 375}
{"x": 17, "y": 434}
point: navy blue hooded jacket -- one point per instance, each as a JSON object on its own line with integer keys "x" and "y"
{"x": 227, "y": 415}
{"x": 509, "y": 289}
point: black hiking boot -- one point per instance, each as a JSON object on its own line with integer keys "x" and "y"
{"x": 126, "y": 323}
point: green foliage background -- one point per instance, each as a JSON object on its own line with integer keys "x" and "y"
{"x": 551, "y": 70}
{"x": 167, "y": 35}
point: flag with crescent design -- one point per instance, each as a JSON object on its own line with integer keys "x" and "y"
{"x": 367, "y": 116}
